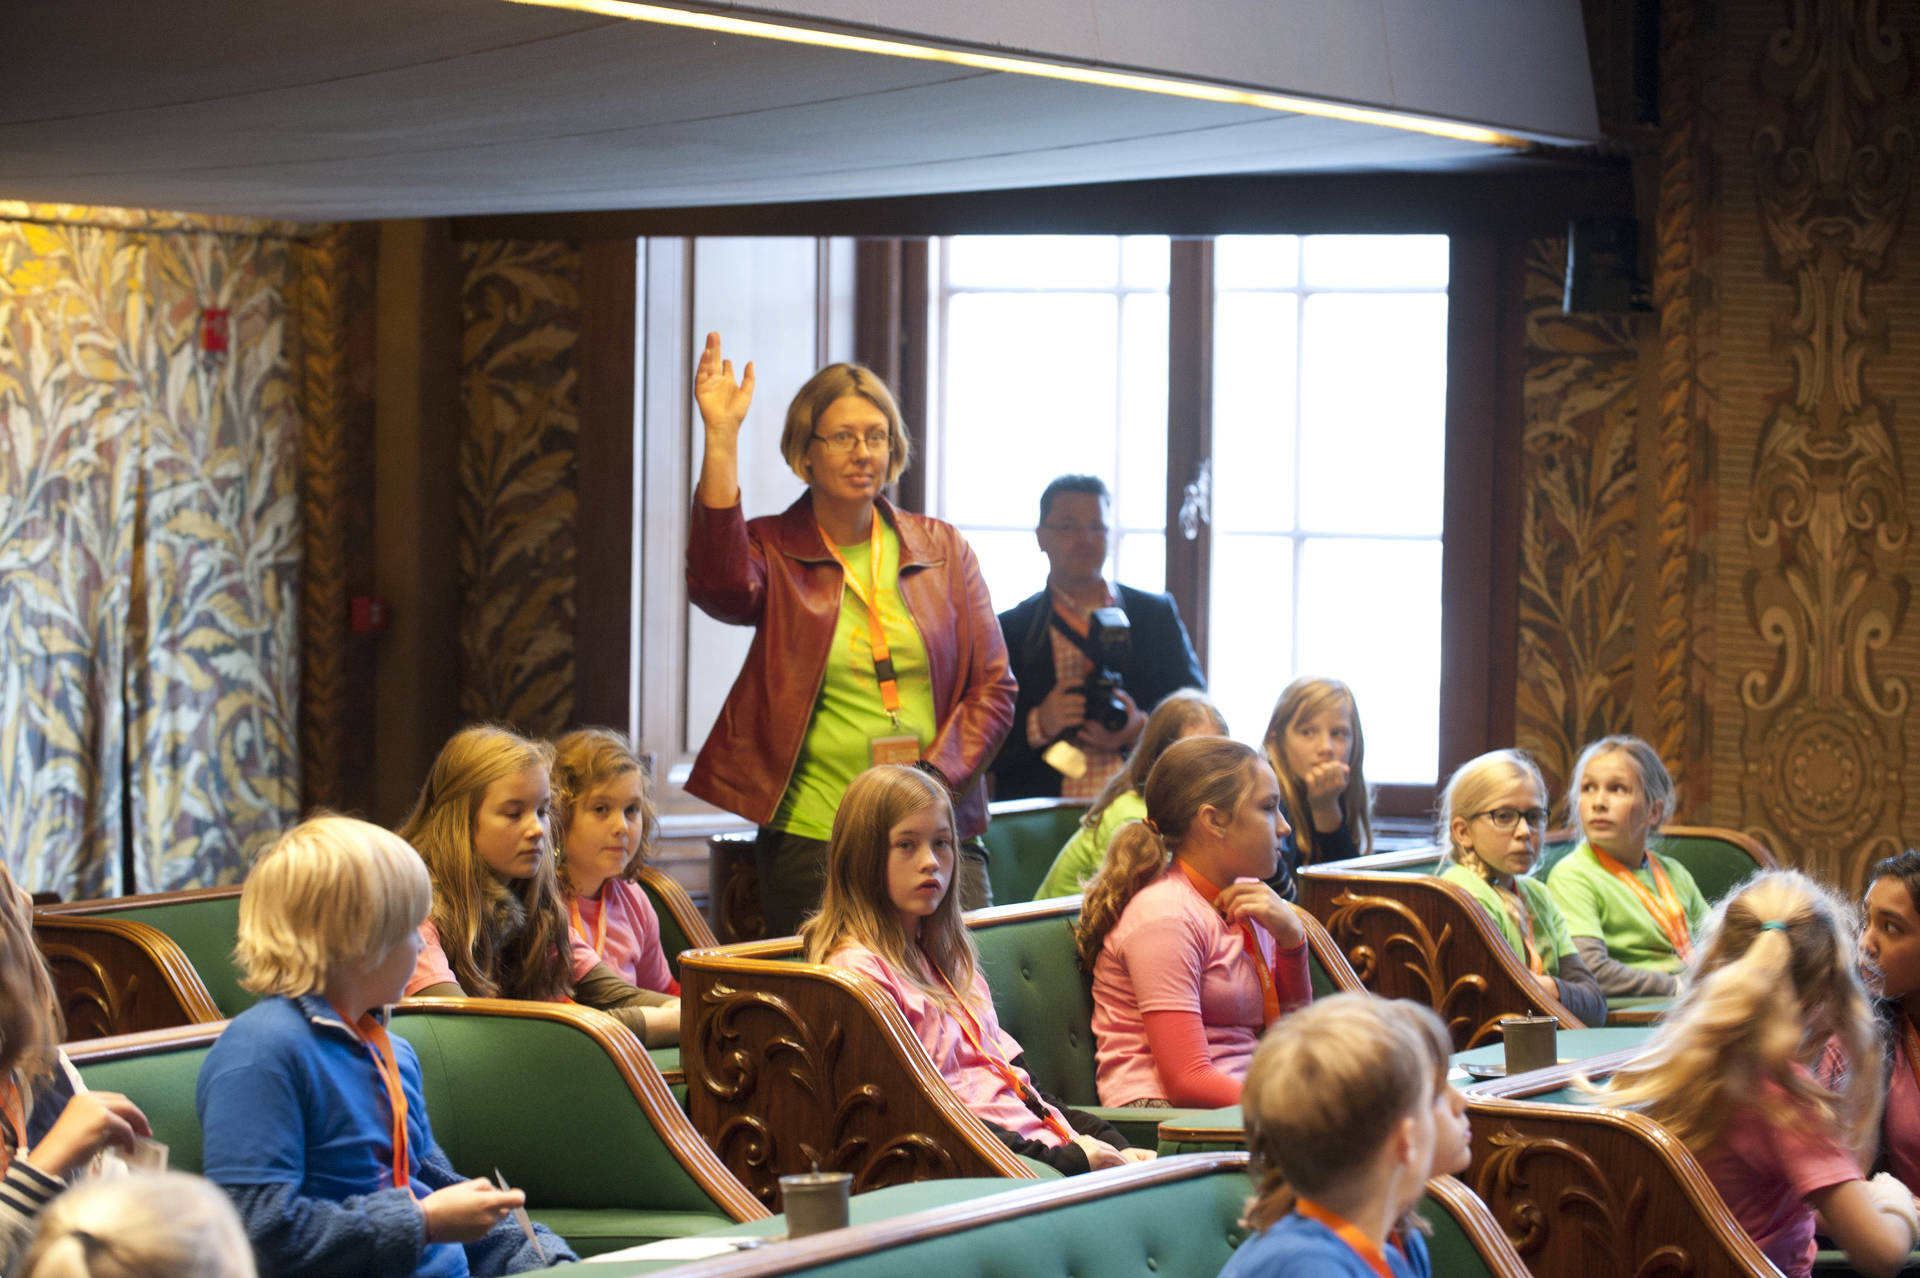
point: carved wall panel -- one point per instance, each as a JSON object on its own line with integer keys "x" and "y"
{"x": 1577, "y": 546}
{"x": 1814, "y": 140}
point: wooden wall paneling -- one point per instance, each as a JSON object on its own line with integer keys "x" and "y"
{"x": 607, "y": 525}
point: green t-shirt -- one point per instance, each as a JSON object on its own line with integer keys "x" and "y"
{"x": 1550, "y": 934}
{"x": 1082, "y": 856}
{"x": 847, "y": 714}
{"x": 1597, "y": 904}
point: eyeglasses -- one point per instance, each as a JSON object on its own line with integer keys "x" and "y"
{"x": 876, "y": 441}
{"x": 1507, "y": 818}
{"x": 1076, "y": 530}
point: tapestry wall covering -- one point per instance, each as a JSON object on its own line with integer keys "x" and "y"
{"x": 150, "y": 537}
{"x": 518, "y": 482}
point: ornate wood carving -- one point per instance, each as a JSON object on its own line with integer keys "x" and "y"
{"x": 1411, "y": 936}
{"x": 1582, "y": 1190}
{"x": 791, "y": 1066}
{"x": 118, "y": 976}
{"x": 734, "y": 889}
{"x": 1827, "y": 524}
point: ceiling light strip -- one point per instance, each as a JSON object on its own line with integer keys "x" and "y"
{"x": 1198, "y": 90}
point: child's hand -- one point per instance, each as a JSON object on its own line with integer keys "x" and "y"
{"x": 1547, "y": 983}
{"x": 1251, "y": 899}
{"x": 1137, "y": 1155}
{"x": 1325, "y": 781}
{"x": 90, "y": 1122}
{"x": 464, "y": 1213}
{"x": 1099, "y": 1154}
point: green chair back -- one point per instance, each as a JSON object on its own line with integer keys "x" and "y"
{"x": 1043, "y": 999}
{"x": 1718, "y": 865}
{"x": 204, "y": 928}
{"x": 673, "y": 938}
{"x": 1022, "y": 839}
{"x": 162, "y": 1084}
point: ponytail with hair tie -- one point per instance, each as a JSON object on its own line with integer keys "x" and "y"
{"x": 1148, "y": 822}
{"x": 1773, "y": 925}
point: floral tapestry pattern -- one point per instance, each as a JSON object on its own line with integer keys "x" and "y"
{"x": 149, "y": 552}
{"x": 518, "y": 482}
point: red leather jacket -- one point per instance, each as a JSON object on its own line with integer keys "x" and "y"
{"x": 776, "y": 575}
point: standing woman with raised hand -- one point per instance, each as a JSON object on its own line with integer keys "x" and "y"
{"x": 874, "y": 638}
{"x": 1492, "y": 816}
{"x": 1193, "y": 955}
{"x": 1632, "y": 912}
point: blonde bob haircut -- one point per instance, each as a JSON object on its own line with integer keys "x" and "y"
{"x": 1472, "y": 786}
{"x": 1325, "y": 1090}
{"x": 1305, "y": 697}
{"x": 170, "y": 1225}
{"x": 857, "y": 907}
{"x": 332, "y": 894}
{"x": 836, "y": 382}
{"x": 585, "y": 760}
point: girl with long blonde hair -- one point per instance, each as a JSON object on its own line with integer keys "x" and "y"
{"x": 498, "y": 927}
{"x": 1316, "y": 748}
{"x": 889, "y": 912}
{"x": 1632, "y": 911}
{"x": 1493, "y": 815}
{"x": 1193, "y": 954}
{"x": 1774, "y": 993}
{"x": 1182, "y": 714}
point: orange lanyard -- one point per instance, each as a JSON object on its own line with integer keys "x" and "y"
{"x": 1269, "y": 993}
{"x": 380, "y": 1046}
{"x": 1348, "y": 1233}
{"x": 1517, "y": 910}
{"x": 599, "y": 938}
{"x": 975, "y": 1035}
{"x": 869, "y": 594}
{"x": 1666, "y": 911}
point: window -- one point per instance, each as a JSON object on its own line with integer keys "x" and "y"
{"x": 1328, "y": 442}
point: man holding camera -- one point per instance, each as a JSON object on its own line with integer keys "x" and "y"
{"x": 1090, "y": 658}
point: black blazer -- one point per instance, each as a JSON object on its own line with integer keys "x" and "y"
{"x": 1160, "y": 660}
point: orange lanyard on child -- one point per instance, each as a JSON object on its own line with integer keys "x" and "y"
{"x": 1517, "y": 910}
{"x": 1348, "y": 1233}
{"x": 380, "y": 1046}
{"x": 975, "y": 1035}
{"x": 869, "y": 594}
{"x": 598, "y": 940}
{"x": 1667, "y": 911}
{"x": 1269, "y": 993}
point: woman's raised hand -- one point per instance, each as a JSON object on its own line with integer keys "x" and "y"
{"x": 723, "y": 402}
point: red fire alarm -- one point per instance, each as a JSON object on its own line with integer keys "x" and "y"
{"x": 367, "y": 614}
{"x": 215, "y": 336}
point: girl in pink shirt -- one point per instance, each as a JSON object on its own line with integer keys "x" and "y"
{"x": 603, "y": 828}
{"x": 1192, "y": 954}
{"x": 1730, "y": 1073}
{"x": 890, "y": 914}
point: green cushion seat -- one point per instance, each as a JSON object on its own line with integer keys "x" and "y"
{"x": 205, "y": 929}
{"x": 162, "y": 1085}
{"x": 1449, "y": 1250}
{"x": 1022, "y": 840}
{"x": 673, "y": 938}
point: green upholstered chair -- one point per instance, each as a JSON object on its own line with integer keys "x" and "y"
{"x": 203, "y": 922}
{"x": 559, "y": 1098}
{"x": 1420, "y": 937}
{"x": 1023, "y": 837}
{"x": 157, "y": 1070}
{"x": 563, "y": 1101}
{"x": 119, "y": 976}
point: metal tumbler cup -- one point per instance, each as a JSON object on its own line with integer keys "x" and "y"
{"x": 815, "y": 1201}
{"x": 1530, "y": 1042}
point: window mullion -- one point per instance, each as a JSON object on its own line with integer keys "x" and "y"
{"x": 1190, "y": 431}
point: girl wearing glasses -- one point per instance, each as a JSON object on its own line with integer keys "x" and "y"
{"x": 1493, "y": 814}
{"x": 875, "y": 641}
{"x": 1632, "y": 911}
